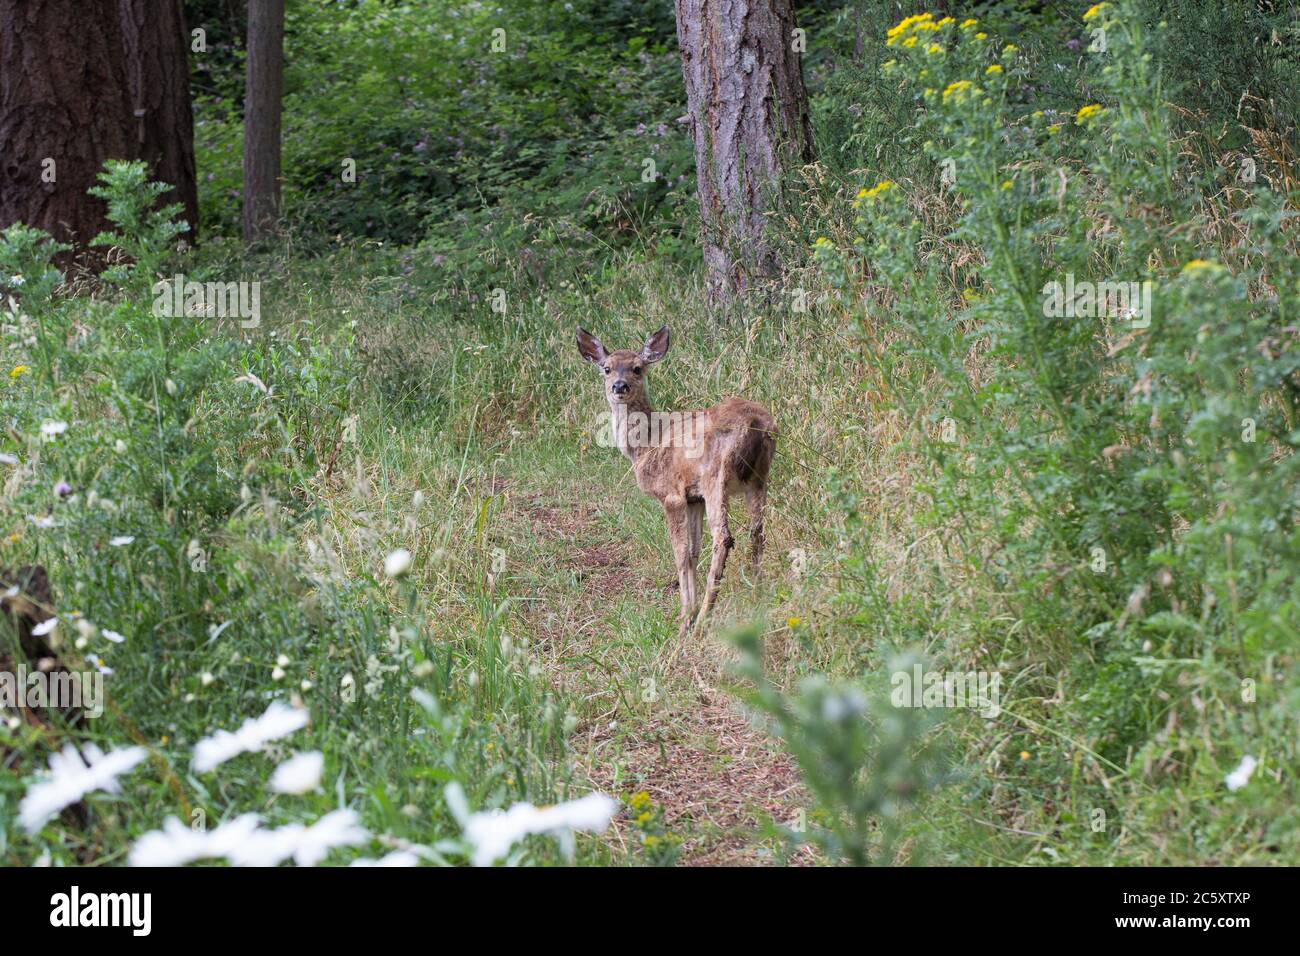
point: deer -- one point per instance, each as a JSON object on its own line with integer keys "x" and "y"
{"x": 692, "y": 462}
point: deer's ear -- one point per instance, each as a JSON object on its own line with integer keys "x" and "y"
{"x": 589, "y": 347}
{"x": 656, "y": 347}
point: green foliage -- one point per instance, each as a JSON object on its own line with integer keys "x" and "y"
{"x": 1127, "y": 463}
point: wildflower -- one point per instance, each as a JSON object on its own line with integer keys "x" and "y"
{"x": 995, "y": 68}
{"x": 910, "y": 42}
{"x": 16, "y": 281}
{"x": 1197, "y": 266}
{"x": 396, "y": 858}
{"x": 176, "y": 844}
{"x": 1024, "y": 755}
{"x": 119, "y": 446}
{"x": 280, "y": 720}
{"x": 121, "y": 541}
{"x": 71, "y": 777}
{"x": 45, "y": 627}
{"x": 171, "y": 387}
{"x": 1054, "y": 129}
{"x": 879, "y": 189}
{"x": 18, "y": 371}
{"x": 113, "y": 636}
{"x": 1006, "y": 184}
{"x": 97, "y": 662}
{"x": 969, "y": 23}
{"x": 299, "y": 774}
{"x": 397, "y": 563}
{"x": 1241, "y": 776}
{"x": 493, "y": 833}
{"x": 946, "y": 21}
{"x": 42, "y": 521}
{"x": 307, "y": 845}
{"x": 981, "y": 36}
{"x": 792, "y": 622}
{"x": 639, "y": 800}
{"x": 958, "y": 88}
{"x": 1088, "y": 112}
{"x": 52, "y": 429}
{"x": 1009, "y": 49}
{"x": 63, "y": 489}
{"x": 1095, "y": 10}
{"x": 933, "y": 48}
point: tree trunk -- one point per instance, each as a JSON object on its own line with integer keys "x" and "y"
{"x": 263, "y": 90}
{"x": 158, "y": 71}
{"x": 64, "y": 109}
{"x": 749, "y": 118}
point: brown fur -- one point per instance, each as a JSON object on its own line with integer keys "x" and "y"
{"x": 692, "y": 464}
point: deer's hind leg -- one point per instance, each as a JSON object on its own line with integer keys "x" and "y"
{"x": 715, "y": 504}
{"x": 756, "y": 498}
{"x": 675, "y": 512}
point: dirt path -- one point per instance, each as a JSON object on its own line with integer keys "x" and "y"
{"x": 653, "y": 716}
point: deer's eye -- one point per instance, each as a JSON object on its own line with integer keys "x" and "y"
{"x": 607, "y": 370}
{"x": 637, "y": 370}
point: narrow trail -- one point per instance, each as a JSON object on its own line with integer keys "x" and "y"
{"x": 653, "y": 714}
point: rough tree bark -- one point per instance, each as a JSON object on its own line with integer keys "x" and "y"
{"x": 262, "y": 101}
{"x": 158, "y": 70}
{"x": 749, "y": 117}
{"x": 64, "y": 110}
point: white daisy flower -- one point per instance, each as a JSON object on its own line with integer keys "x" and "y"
{"x": 396, "y": 858}
{"x": 299, "y": 774}
{"x": 52, "y": 429}
{"x": 71, "y": 777}
{"x": 306, "y": 845}
{"x": 494, "y": 832}
{"x": 176, "y": 844}
{"x": 45, "y": 627}
{"x": 280, "y": 720}
{"x": 122, "y": 540}
{"x": 113, "y": 636}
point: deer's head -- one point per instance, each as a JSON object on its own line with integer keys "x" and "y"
{"x": 624, "y": 370}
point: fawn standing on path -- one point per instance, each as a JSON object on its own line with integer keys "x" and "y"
{"x": 691, "y": 461}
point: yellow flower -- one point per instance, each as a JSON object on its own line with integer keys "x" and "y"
{"x": 910, "y": 42}
{"x": 981, "y": 36}
{"x": 1009, "y": 48}
{"x": 645, "y": 818}
{"x": 933, "y": 48}
{"x": 969, "y": 23}
{"x": 1024, "y": 755}
{"x": 1006, "y": 184}
{"x": 1054, "y": 129}
{"x": 792, "y": 622}
{"x": 1197, "y": 266}
{"x": 995, "y": 68}
{"x": 1088, "y": 112}
{"x": 15, "y": 538}
{"x": 19, "y": 370}
{"x": 640, "y": 800}
{"x": 957, "y": 88}
{"x": 876, "y": 190}
{"x": 1095, "y": 10}
{"x": 821, "y": 242}
{"x": 946, "y": 20}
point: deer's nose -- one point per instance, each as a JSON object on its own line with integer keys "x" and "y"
{"x": 620, "y": 387}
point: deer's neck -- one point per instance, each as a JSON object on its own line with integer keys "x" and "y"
{"x": 631, "y": 420}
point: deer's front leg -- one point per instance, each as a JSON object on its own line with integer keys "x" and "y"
{"x": 679, "y": 534}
